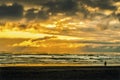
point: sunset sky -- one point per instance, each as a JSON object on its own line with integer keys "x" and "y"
{"x": 59, "y": 26}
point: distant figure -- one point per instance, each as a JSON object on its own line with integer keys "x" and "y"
{"x": 105, "y": 63}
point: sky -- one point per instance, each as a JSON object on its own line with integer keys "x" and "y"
{"x": 59, "y": 26}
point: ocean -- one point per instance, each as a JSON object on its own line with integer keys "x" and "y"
{"x": 87, "y": 59}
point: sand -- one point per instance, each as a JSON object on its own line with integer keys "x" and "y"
{"x": 60, "y": 73}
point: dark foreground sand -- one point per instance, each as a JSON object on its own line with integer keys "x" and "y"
{"x": 60, "y": 73}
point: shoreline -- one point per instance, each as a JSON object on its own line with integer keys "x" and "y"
{"x": 48, "y": 65}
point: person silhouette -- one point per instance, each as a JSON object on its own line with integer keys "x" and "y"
{"x": 105, "y": 63}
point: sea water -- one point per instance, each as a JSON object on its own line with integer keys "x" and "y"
{"x": 89, "y": 58}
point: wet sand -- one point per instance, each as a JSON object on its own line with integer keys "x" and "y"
{"x": 60, "y": 73}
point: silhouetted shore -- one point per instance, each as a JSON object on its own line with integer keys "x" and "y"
{"x": 60, "y": 73}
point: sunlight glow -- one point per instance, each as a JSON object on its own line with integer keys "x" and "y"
{"x": 50, "y": 26}
{"x": 20, "y": 34}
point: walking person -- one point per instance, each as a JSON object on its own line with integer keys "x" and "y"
{"x": 105, "y": 63}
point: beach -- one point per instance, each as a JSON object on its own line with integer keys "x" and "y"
{"x": 60, "y": 73}
{"x": 59, "y": 67}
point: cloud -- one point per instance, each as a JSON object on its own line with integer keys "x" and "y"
{"x": 118, "y": 16}
{"x": 51, "y": 8}
{"x": 47, "y": 8}
{"x": 30, "y": 14}
{"x": 98, "y": 42}
{"x": 35, "y": 42}
{"x": 22, "y": 1}
{"x": 42, "y": 15}
{"x": 35, "y": 14}
{"x": 48, "y": 44}
{"x": 107, "y": 4}
{"x": 61, "y": 5}
{"x": 116, "y": 0}
{"x": 44, "y": 38}
{"x": 5, "y": 43}
{"x": 90, "y": 48}
{"x": 13, "y": 11}
{"x": 61, "y": 25}
{"x": 52, "y": 44}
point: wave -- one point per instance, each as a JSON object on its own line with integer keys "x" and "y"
{"x": 59, "y": 58}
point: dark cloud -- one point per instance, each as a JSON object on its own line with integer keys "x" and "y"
{"x": 42, "y": 15}
{"x": 30, "y": 14}
{"x": 116, "y": 0}
{"x": 61, "y": 5}
{"x": 67, "y": 5}
{"x": 22, "y": 26}
{"x": 13, "y": 11}
{"x": 55, "y": 5}
{"x": 118, "y": 16}
{"x": 89, "y": 48}
{"x": 106, "y": 4}
{"x": 39, "y": 15}
{"x": 52, "y": 7}
{"x": 97, "y": 42}
{"x": 44, "y": 38}
{"x": 35, "y": 2}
